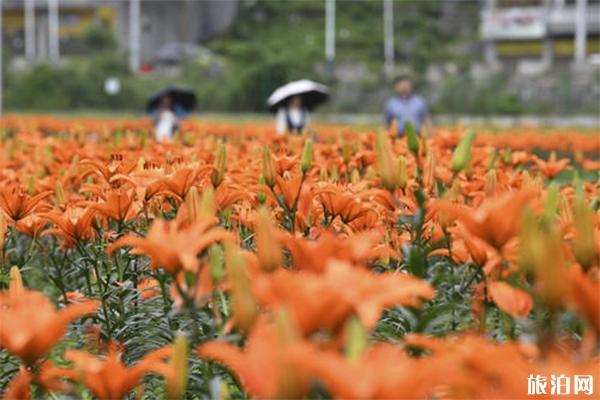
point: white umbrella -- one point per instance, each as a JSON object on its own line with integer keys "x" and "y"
{"x": 312, "y": 93}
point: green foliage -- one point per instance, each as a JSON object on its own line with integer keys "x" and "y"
{"x": 462, "y": 94}
{"x": 78, "y": 83}
{"x": 98, "y": 38}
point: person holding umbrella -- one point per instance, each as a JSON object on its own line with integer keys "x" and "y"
{"x": 292, "y": 103}
{"x": 167, "y": 107}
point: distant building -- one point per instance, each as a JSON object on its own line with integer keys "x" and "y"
{"x": 548, "y": 30}
{"x": 161, "y": 22}
{"x": 75, "y": 16}
{"x": 176, "y": 21}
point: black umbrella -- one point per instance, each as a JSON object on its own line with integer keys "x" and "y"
{"x": 182, "y": 97}
{"x": 312, "y": 94}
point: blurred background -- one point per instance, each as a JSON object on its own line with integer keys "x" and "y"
{"x": 469, "y": 57}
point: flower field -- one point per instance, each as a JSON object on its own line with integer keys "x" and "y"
{"x": 235, "y": 263}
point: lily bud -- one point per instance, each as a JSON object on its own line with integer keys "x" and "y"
{"x": 354, "y": 177}
{"x": 384, "y": 259}
{"x": 216, "y": 262}
{"x": 335, "y": 175}
{"x": 207, "y": 205}
{"x": 526, "y": 179}
{"x": 117, "y": 137}
{"x": 469, "y": 169}
{"x": 268, "y": 249}
{"x": 175, "y": 385}
{"x": 323, "y": 177}
{"x": 507, "y": 157}
{"x": 491, "y": 180}
{"x": 583, "y": 243}
{"x": 268, "y": 167}
{"x": 286, "y": 331}
{"x": 579, "y": 157}
{"x": 189, "y": 140}
{"x": 141, "y": 164}
{"x": 290, "y": 383}
{"x": 412, "y": 139}
{"x": 384, "y": 162}
{"x": 31, "y": 185}
{"x": 542, "y": 253}
{"x": 370, "y": 172}
{"x": 61, "y": 197}
{"x": 244, "y": 305}
{"x": 576, "y": 179}
{"x": 75, "y": 162}
{"x": 402, "y": 173}
{"x": 192, "y": 201}
{"x": 423, "y": 146}
{"x": 3, "y": 227}
{"x": 224, "y": 391}
{"x": 528, "y": 235}
{"x": 143, "y": 139}
{"x": 346, "y": 152}
{"x": 491, "y": 163}
{"x": 260, "y": 195}
{"x": 356, "y": 339}
{"x": 218, "y": 175}
{"x": 307, "y": 156}
{"x": 455, "y": 190}
{"x": 429, "y": 171}
{"x": 11, "y": 150}
{"x": 393, "y": 129}
{"x": 551, "y": 203}
{"x": 48, "y": 154}
{"x": 551, "y": 269}
{"x": 15, "y": 285}
{"x": 462, "y": 153}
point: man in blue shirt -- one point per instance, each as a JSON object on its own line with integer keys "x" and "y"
{"x": 406, "y": 106}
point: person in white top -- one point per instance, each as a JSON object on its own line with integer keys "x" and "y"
{"x": 292, "y": 117}
{"x": 165, "y": 121}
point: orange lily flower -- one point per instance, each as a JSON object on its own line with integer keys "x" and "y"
{"x": 173, "y": 247}
{"x": 46, "y": 376}
{"x": 467, "y": 248}
{"x": 31, "y": 225}
{"x": 342, "y": 203}
{"x": 285, "y": 163}
{"x": 226, "y": 195}
{"x": 515, "y": 302}
{"x": 383, "y": 371}
{"x": 552, "y": 167}
{"x": 199, "y": 291}
{"x": 356, "y": 249}
{"x": 180, "y": 182}
{"x": 148, "y": 288}
{"x": 17, "y": 205}
{"x": 263, "y": 366}
{"x": 73, "y": 226}
{"x": 475, "y": 367}
{"x": 326, "y": 300}
{"x": 147, "y": 184}
{"x": 119, "y": 206}
{"x": 496, "y": 221}
{"x": 107, "y": 170}
{"x": 31, "y": 338}
{"x": 108, "y": 378}
{"x": 289, "y": 187}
